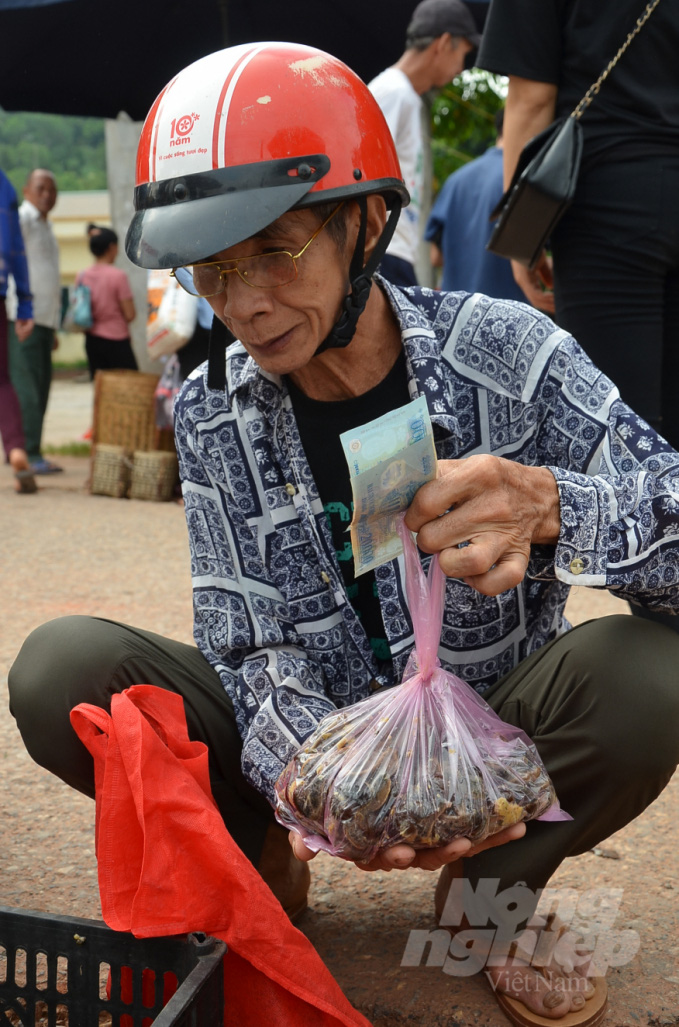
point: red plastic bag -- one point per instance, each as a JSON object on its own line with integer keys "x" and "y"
{"x": 167, "y": 864}
{"x": 424, "y": 763}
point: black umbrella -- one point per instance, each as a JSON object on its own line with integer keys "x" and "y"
{"x": 97, "y": 59}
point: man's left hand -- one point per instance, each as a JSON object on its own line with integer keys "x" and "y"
{"x": 498, "y": 507}
{"x": 405, "y": 857}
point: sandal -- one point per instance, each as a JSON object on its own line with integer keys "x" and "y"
{"x": 43, "y": 466}
{"x": 26, "y": 482}
{"x": 591, "y": 1014}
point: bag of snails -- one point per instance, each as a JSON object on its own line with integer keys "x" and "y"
{"x": 423, "y": 763}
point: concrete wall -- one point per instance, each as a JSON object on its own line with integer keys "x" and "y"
{"x": 114, "y": 208}
{"x": 122, "y": 137}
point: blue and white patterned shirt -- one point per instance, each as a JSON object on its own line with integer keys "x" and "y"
{"x": 271, "y": 612}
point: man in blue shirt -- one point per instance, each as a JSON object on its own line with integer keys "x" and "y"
{"x": 13, "y": 262}
{"x": 459, "y": 228}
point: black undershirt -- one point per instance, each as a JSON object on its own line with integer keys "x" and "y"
{"x": 320, "y": 425}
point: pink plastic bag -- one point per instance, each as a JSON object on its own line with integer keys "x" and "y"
{"x": 423, "y": 763}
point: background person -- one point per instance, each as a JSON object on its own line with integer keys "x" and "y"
{"x": 458, "y": 227}
{"x": 30, "y": 359}
{"x": 544, "y": 472}
{"x": 13, "y": 262}
{"x": 107, "y": 343}
{"x": 440, "y": 35}
{"x": 616, "y": 251}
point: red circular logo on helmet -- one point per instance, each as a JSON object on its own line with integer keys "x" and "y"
{"x": 183, "y": 125}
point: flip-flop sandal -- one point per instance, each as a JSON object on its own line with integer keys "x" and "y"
{"x": 26, "y": 481}
{"x": 43, "y": 466}
{"x": 591, "y": 1014}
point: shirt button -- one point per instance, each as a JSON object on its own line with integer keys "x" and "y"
{"x": 325, "y": 578}
{"x": 375, "y": 685}
{"x": 290, "y": 489}
{"x": 577, "y": 565}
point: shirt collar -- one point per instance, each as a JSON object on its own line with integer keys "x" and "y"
{"x": 415, "y": 313}
{"x": 32, "y": 211}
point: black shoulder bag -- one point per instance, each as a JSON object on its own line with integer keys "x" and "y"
{"x": 543, "y": 185}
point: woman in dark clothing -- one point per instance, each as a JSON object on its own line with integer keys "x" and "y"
{"x": 616, "y": 252}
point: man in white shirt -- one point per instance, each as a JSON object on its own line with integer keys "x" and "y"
{"x": 440, "y": 35}
{"x": 31, "y": 360}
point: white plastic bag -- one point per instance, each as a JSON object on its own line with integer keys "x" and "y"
{"x": 174, "y": 323}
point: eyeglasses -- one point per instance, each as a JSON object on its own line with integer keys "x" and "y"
{"x": 261, "y": 271}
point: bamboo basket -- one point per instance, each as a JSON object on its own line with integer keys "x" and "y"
{"x": 154, "y": 476}
{"x": 111, "y": 469}
{"x": 124, "y": 416}
{"x": 124, "y": 411}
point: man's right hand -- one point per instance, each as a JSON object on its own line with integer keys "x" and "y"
{"x": 23, "y": 328}
{"x": 537, "y": 285}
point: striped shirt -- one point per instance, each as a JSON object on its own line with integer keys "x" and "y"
{"x": 270, "y": 609}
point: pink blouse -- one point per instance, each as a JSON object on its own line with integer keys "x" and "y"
{"x": 108, "y": 285}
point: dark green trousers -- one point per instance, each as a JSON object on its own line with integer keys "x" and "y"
{"x": 601, "y": 704}
{"x": 30, "y": 368}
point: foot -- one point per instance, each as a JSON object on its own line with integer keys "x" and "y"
{"x": 43, "y": 466}
{"x": 287, "y": 876}
{"x": 552, "y": 990}
{"x": 538, "y": 973}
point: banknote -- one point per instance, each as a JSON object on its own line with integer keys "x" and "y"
{"x": 389, "y": 459}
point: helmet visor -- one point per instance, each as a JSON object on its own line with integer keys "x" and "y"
{"x": 186, "y": 220}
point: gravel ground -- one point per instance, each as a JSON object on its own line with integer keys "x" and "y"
{"x": 68, "y": 552}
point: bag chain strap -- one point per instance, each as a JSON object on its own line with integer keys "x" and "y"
{"x": 596, "y": 86}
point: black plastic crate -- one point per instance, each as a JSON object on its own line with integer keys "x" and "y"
{"x": 61, "y": 971}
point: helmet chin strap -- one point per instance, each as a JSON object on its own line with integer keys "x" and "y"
{"x": 360, "y": 278}
{"x": 219, "y": 341}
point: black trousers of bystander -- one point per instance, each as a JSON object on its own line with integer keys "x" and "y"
{"x": 616, "y": 280}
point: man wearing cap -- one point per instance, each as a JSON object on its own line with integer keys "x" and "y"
{"x": 440, "y": 35}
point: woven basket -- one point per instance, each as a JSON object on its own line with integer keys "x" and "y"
{"x": 154, "y": 476}
{"x": 111, "y": 469}
{"x": 124, "y": 412}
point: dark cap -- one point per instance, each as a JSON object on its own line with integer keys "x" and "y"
{"x": 434, "y": 17}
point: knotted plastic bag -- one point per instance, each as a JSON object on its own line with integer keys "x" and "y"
{"x": 424, "y": 763}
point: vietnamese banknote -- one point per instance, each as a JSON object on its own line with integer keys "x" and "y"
{"x": 389, "y": 459}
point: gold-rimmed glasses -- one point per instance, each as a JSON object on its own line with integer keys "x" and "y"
{"x": 260, "y": 271}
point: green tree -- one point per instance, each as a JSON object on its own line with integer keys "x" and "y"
{"x": 73, "y": 148}
{"x": 462, "y": 117}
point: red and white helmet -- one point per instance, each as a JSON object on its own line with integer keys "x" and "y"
{"x": 245, "y": 134}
